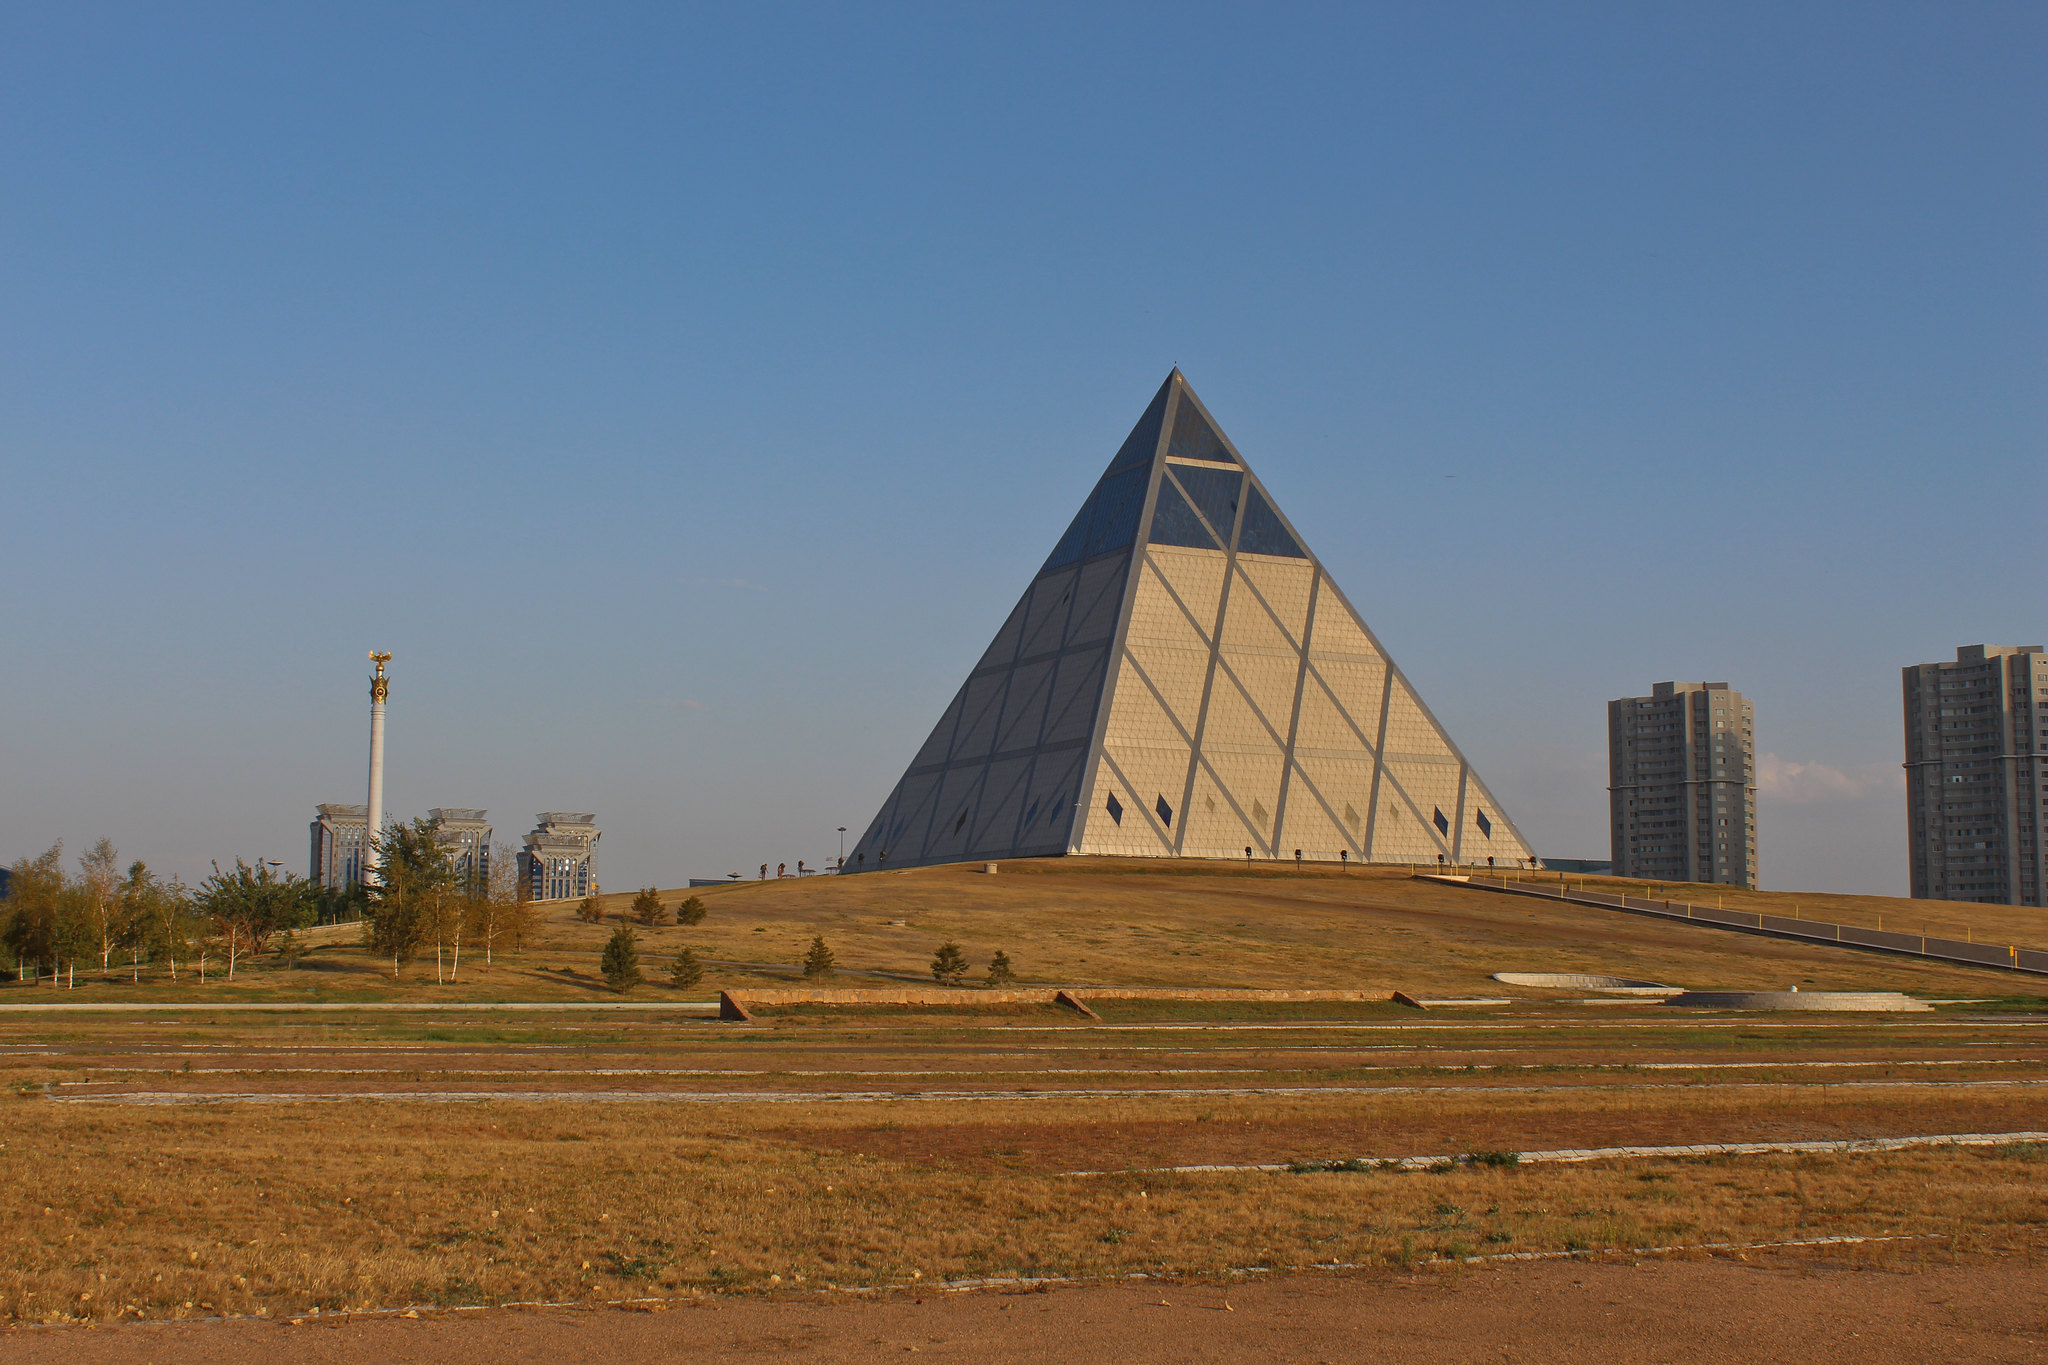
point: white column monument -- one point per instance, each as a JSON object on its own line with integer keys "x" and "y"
{"x": 373, "y": 826}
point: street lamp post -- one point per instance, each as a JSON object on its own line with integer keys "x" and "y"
{"x": 842, "y": 846}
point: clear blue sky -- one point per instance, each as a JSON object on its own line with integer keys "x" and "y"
{"x": 685, "y": 397}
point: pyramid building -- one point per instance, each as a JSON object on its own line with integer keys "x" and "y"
{"x": 1182, "y": 679}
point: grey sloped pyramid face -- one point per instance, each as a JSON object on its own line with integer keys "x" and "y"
{"x": 1182, "y": 679}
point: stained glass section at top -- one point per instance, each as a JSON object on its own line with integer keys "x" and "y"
{"x": 1264, "y": 533}
{"x": 1175, "y": 523}
{"x": 1194, "y": 439}
{"x": 1139, "y": 446}
{"x": 1215, "y": 492}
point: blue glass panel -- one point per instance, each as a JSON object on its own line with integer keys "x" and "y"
{"x": 1115, "y": 808}
{"x": 1074, "y": 541}
{"x": 1485, "y": 825}
{"x": 1214, "y": 492}
{"x": 1443, "y": 826}
{"x": 1118, "y": 501}
{"x": 1193, "y": 438}
{"x": 1263, "y": 534}
{"x": 1175, "y": 523}
{"x": 1144, "y": 438}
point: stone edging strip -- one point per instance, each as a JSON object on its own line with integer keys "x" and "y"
{"x": 1570, "y": 1154}
{"x": 738, "y": 1004}
{"x": 1034, "y": 1094}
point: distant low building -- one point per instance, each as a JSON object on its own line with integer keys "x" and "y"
{"x": 337, "y": 836}
{"x": 467, "y": 835}
{"x": 559, "y": 861}
{"x": 1588, "y": 867}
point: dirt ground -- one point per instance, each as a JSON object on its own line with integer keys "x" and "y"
{"x": 1769, "y": 1307}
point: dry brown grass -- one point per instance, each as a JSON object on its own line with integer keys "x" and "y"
{"x": 233, "y": 1207}
{"x": 1128, "y": 922}
{"x": 125, "y": 1213}
{"x": 188, "y": 1211}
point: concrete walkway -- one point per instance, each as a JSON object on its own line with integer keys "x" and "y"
{"x": 1573, "y": 1154}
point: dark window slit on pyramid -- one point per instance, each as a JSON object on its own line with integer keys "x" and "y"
{"x": 1165, "y": 812}
{"x": 1485, "y": 825}
{"x": 1115, "y": 808}
{"x": 1443, "y": 826}
{"x": 1030, "y": 814}
{"x": 1175, "y": 523}
{"x": 963, "y": 820}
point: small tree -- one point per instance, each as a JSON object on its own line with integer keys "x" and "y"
{"x": 1000, "y": 972}
{"x": 647, "y": 908}
{"x": 621, "y": 961}
{"x": 587, "y": 911}
{"x": 35, "y": 911}
{"x": 246, "y": 906}
{"x": 691, "y": 911}
{"x": 161, "y": 916}
{"x": 687, "y": 969}
{"x": 949, "y": 964}
{"x": 414, "y": 875}
{"x": 102, "y": 887}
{"x": 502, "y": 915}
{"x": 818, "y": 962}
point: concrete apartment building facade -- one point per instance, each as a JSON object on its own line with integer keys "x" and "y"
{"x": 1977, "y": 775}
{"x": 337, "y": 834}
{"x": 1682, "y": 784}
{"x": 467, "y": 834}
{"x": 559, "y": 861}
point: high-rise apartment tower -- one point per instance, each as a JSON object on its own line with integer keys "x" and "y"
{"x": 1977, "y": 775}
{"x": 1681, "y": 786}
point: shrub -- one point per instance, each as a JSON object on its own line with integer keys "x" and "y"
{"x": 1000, "y": 972}
{"x": 949, "y": 964}
{"x": 686, "y": 970}
{"x": 647, "y": 908}
{"x": 691, "y": 911}
{"x": 1495, "y": 1158}
{"x": 587, "y": 911}
{"x": 818, "y": 962}
{"x": 621, "y": 961}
